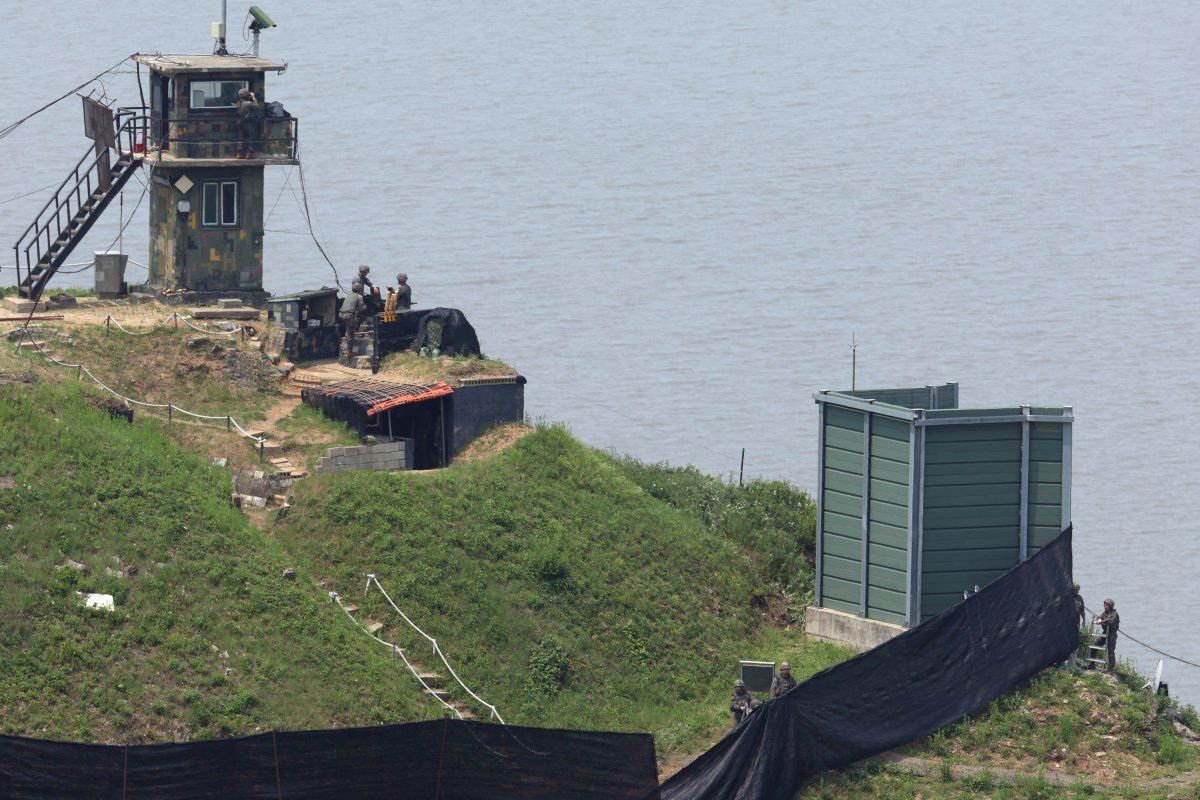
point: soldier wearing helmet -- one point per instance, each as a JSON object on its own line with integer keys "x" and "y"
{"x": 249, "y": 120}
{"x": 742, "y": 702}
{"x": 361, "y": 283}
{"x": 783, "y": 681}
{"x": 403, "y": 292}
{"x": 1110, "y": 621}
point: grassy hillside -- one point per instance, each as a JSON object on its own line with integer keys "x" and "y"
{"x": 568, "y": 587}
{"x": 565, "y": 592}
{"x": 562, "y": 591}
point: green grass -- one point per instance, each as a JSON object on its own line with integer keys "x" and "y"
{"x": 561, "y": 590}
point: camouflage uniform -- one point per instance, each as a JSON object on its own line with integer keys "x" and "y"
{"x": 351, "y": 313}
{"x": 781, "y": 683}
{"x": 403, "y": 292}
{"x": 1079, "y": 606}
{"x": 361, "y": 283}
{"x": 249, "y": 117}
{"x": 1110, "y": 621}
{"x": 740, "y": 703}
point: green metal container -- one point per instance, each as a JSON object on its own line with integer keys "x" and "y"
{"x": 920, "y": 501}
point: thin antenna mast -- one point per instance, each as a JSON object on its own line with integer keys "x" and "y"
{"x": 853, "y": 362}
{"x": 221, "y": 51}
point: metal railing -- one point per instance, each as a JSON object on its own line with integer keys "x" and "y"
{"x": 81, "y": 190}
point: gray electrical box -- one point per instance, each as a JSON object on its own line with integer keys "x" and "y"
{"x": 110, "y": 273}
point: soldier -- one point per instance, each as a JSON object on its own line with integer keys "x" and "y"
{"x": 249, "y": 117}
{"x": 361, "y": 283}
{"x": 1110, "y": 621}
{"x": 783, "y": 681}
{"x": 1079, "y": 604}
{"x": 742, "y": 702}
{"x": 403, "y": 292}
{"x": 351, "y": 313}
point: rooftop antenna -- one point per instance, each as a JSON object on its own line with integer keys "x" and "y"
{"x": 261, "y": 21}
{"x": 218, "y": 30}
{"x": 853, "y": 362}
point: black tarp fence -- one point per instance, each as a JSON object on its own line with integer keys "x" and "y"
{"x": 438, "y": 760}
{"x": 907, "y": 687}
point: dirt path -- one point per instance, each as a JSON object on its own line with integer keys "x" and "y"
{"x": 924, "y": 766}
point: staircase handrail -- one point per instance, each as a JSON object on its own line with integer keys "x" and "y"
{"x": 59, "y": 202}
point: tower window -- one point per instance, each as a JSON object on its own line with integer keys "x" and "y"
{"x": 215, "y": 94}
{"x": 220, "y": 204}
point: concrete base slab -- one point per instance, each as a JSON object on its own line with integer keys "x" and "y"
{"x": 842, "y": 628}
{"x": 18, "y": 305}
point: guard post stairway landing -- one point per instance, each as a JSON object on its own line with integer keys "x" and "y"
{"x": 76, "y": 204}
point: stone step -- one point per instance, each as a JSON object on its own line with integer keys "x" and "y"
{"x": 350, "y": 607}
{"x": 431, "y": 679}
{"x": 36, "y": 344}
{"x": 269, "y": 448}
{"x": 373, "y": 627}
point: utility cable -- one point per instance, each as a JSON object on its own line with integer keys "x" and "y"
{"x": 308, "y": 218}
{"x": 5, "y": 131}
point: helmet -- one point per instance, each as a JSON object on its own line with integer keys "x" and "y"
{"x": 1109, "y": 602}
{"x": 739, "y": 684}
{"x": 785, "y": 665}
{"x": 243, "y": 93}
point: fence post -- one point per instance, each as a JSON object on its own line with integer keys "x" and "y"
{"x": 170, "y": 408}
{"x": 228, "y": 423}
{"x": 107, "y": 324}
{"x": 261, "y": 442}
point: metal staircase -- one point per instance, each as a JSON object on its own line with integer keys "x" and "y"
{"x": 70, "y": 213}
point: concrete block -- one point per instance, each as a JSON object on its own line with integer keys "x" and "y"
{"x": 842, "y": 628}
{"x": 17, "y": 305}
{"x": 336, "y": 451}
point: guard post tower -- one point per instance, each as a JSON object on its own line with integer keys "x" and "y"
{"x": 206, "y": 203}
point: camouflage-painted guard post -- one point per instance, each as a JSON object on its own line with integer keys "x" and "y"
{"x": 249, "y": 120}
{"x": 783, "y": 681}
{"x": 1110, "y": 621}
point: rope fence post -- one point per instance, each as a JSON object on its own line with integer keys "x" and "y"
{"x": 228, "y": 422}
{"x": 107, "y": 324}
{"x": 261, "y": 442}
{"x": 170, "y": 408}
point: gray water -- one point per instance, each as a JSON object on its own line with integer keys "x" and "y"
{"x": 675, "y": 218}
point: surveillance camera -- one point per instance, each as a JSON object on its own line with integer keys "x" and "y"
{"x": 261, "y": 20}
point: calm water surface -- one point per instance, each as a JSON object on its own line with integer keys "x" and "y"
{"x": 674, "y": 219}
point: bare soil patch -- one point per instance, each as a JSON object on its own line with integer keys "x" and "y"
{"x": 494, "y": 442}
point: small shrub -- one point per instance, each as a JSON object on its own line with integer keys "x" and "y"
{"x": 548, "y": 668}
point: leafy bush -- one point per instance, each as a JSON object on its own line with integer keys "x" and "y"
{"x": 548, "y": 668}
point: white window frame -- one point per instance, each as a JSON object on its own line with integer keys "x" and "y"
{"x": 212, "y": 89}
{"x": 225, "y": 214}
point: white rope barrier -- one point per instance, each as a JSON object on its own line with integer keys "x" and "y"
{"x": 175, "y": 315}
{"x": 337, "y": 598}
{"x": 436, "y": 649}
{"x": 170, "y": 407}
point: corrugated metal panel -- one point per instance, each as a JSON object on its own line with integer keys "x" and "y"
{"x": 841, "y": 510}
{"x": 887, "y": 571}
{"x": 1045, "y": 483}
{"x": 969, "y": 521}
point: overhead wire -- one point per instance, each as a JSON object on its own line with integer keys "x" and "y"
{"x": 308, "y": 219}
{"x": 7, "y": 129}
